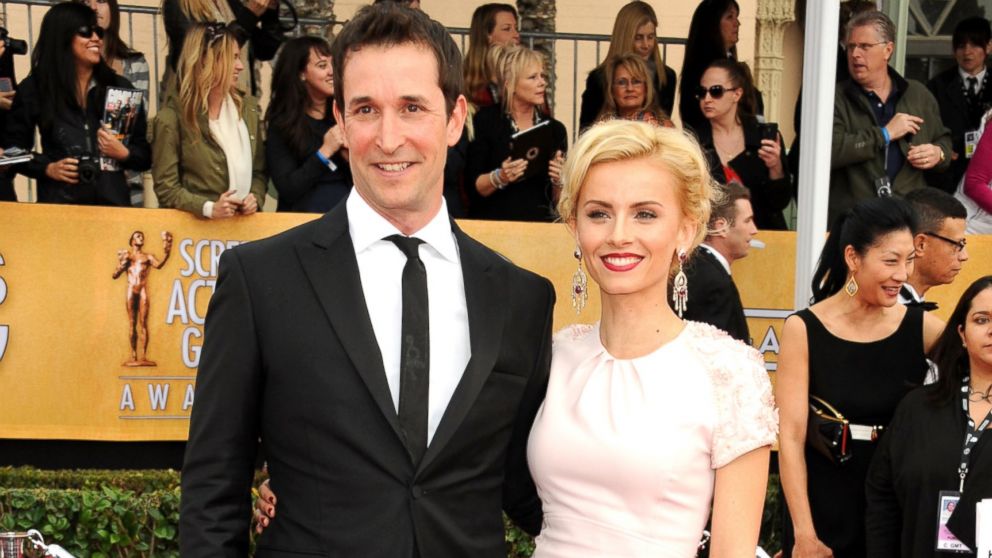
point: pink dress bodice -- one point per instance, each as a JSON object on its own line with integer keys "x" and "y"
{"x": 624, "y": 452}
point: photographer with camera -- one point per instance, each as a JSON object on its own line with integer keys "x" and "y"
{"x": 9, "y": 47}
{"x": 64, "y": 97}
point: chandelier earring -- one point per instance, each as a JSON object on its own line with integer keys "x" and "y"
{"x": 851, "y": 287}
{"x": 580, "y": 285}
{"x": 680, "y": 286}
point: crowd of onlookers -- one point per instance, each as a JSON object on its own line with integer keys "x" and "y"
{"x": 213, "y": 152}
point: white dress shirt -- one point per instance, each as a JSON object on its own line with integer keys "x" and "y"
{"x": 979, "y": 77}
{"x": 380, "y": 265}
{"x": 913, "y": 295}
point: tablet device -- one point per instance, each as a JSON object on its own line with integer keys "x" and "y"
{"x": 535, "y": 144}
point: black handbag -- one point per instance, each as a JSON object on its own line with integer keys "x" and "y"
{"x": 827, "y": 431}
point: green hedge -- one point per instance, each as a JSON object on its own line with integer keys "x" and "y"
{"x": 135, "y": 514}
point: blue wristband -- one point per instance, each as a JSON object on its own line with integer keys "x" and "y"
{"x": 885, "y": 136}
{"x": 327, "y": 162}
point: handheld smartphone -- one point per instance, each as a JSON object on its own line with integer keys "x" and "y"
{"x": 768, "y": 130}
{"x": 6, "y": 85}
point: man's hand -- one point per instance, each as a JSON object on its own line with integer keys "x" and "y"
{"x": 924, "y": 157}
{"x": 902, "y": 124}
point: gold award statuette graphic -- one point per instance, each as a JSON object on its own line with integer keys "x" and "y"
{"x": 137, "y": 265}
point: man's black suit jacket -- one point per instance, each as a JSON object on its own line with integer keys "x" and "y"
{"x": 959, "y": 116}
{"x": 290, "y": 358}
{"x": 713, "y": 296}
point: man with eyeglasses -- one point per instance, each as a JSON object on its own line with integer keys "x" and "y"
{"x": 940, "y": 244}
{"x": 887, "y": 130}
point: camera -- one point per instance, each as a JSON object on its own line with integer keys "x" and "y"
{"x": 15, "y": 46}
{"x": 88, "y": 169}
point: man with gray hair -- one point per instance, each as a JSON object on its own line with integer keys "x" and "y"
{"x": 887, "y": 129}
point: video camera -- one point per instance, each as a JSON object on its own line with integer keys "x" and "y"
{"x": 15, "y": 46}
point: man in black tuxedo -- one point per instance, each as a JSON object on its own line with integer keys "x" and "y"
{"x": 390, "y": 365}
{"x": 941, "y": 250}
{"x": 964, "y": 94}
{"x": 713, "y": 296}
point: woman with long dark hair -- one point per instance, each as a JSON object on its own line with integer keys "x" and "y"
{"x": 634, "y": 32}
{"x": 713, "y": 34}
{"x": 859, "y": 350}
{"x": 304, "y": 148}
{"x": 907, "y": 489}
{"x": 735, "y": 145}
{"x": 63, "y": 97}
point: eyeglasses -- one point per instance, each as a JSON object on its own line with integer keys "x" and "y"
{"x": 958, "y": 244}
{"x": 87, "y": 31}
{"x": 863, "y": 47}
{"x": 624, "y": 83}
{"x": 715, "y": 91}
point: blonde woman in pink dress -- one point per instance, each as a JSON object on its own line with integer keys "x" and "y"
{"x": 648, "y": 419}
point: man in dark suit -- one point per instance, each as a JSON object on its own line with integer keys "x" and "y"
{"x": 390, "y": 365}
{"x": 964, "y": 94}
{"x": 713, "y": 296}
{"x": 941, "y": 250}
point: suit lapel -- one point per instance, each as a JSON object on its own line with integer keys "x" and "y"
{"x": 484, "y": 294}
{"x": 330, "y": 264}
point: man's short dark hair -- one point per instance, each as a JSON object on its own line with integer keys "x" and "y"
{"x": 932, "y": 206}
{"x": 725, "y": 206}
{"x": 388, "y": 24}
{"x": 975, "y": 30}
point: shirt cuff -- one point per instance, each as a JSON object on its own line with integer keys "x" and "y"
{"x": 208, "y": 209}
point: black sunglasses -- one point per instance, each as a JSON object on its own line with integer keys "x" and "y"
{"x": 86, "y": 31}
{"x": 715, "y": 91}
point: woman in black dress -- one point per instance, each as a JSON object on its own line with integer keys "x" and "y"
{"x": 904, "y": 483}
{"x": 634, "y": 32}
{"x": 732, "y": 139}
{"x": 502, "y": 190}
{"x": 304, "y": 149}
{"x": 861, "y": 351}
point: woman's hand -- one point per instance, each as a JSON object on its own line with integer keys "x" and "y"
{"x": 554, "y": 168}
{"x": 7, "y": 99}
{"x": 265, "y": 507}
{"x": 512, "y": 169}
{"x": 66, "y": 170}
{"x": 110, "y": 146}
{"x": 227, "y": 205}
{"x": 333, "y": 141}
{"x": 771, "y": 153}
{"x": 249, "y": 205}
{"x": 811, "y": 547}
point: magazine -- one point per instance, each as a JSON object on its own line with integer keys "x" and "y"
{"x": 14, "y": 155}
{"x": 120, "y": 112}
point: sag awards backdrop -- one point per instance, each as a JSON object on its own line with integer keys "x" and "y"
{"x": 102, "y": 310}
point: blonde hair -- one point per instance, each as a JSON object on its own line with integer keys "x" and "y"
{"x": 202, "y": 65}
{"x": 512, "y": 65}
{"x": 638, "y": 70}
{"x": 626, "y": 140}
{"x": 197, "y": 10}
{"x": 631, "y": 17}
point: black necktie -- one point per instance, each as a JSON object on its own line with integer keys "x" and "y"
{"x": 973, "y": 86}
{"x": 415, "y": 348}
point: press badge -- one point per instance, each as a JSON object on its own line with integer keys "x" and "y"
{"x": 946, "y": 541}
{"x": 971, "y": 142}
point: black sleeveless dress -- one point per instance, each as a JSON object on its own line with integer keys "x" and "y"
{"x": 865, "y": 382}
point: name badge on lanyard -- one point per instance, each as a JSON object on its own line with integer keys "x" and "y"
{"x": 946, "y": 541}
{"x": 971, "y": 142}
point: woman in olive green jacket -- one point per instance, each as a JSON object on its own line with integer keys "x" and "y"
{"x": 208, "y": 156}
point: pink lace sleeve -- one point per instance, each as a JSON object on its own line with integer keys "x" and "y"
{"x": 978, "y": 178}
{"x": 746, "y": 414}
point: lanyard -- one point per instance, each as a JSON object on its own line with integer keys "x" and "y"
{"x": 971, "y": 435}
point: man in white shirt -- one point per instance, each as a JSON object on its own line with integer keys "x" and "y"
{"x": 713, "y": 296}
{"x": 390, "y": 365}
{"x": 940, "y": 244}
{"x": 964, "y": 93}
